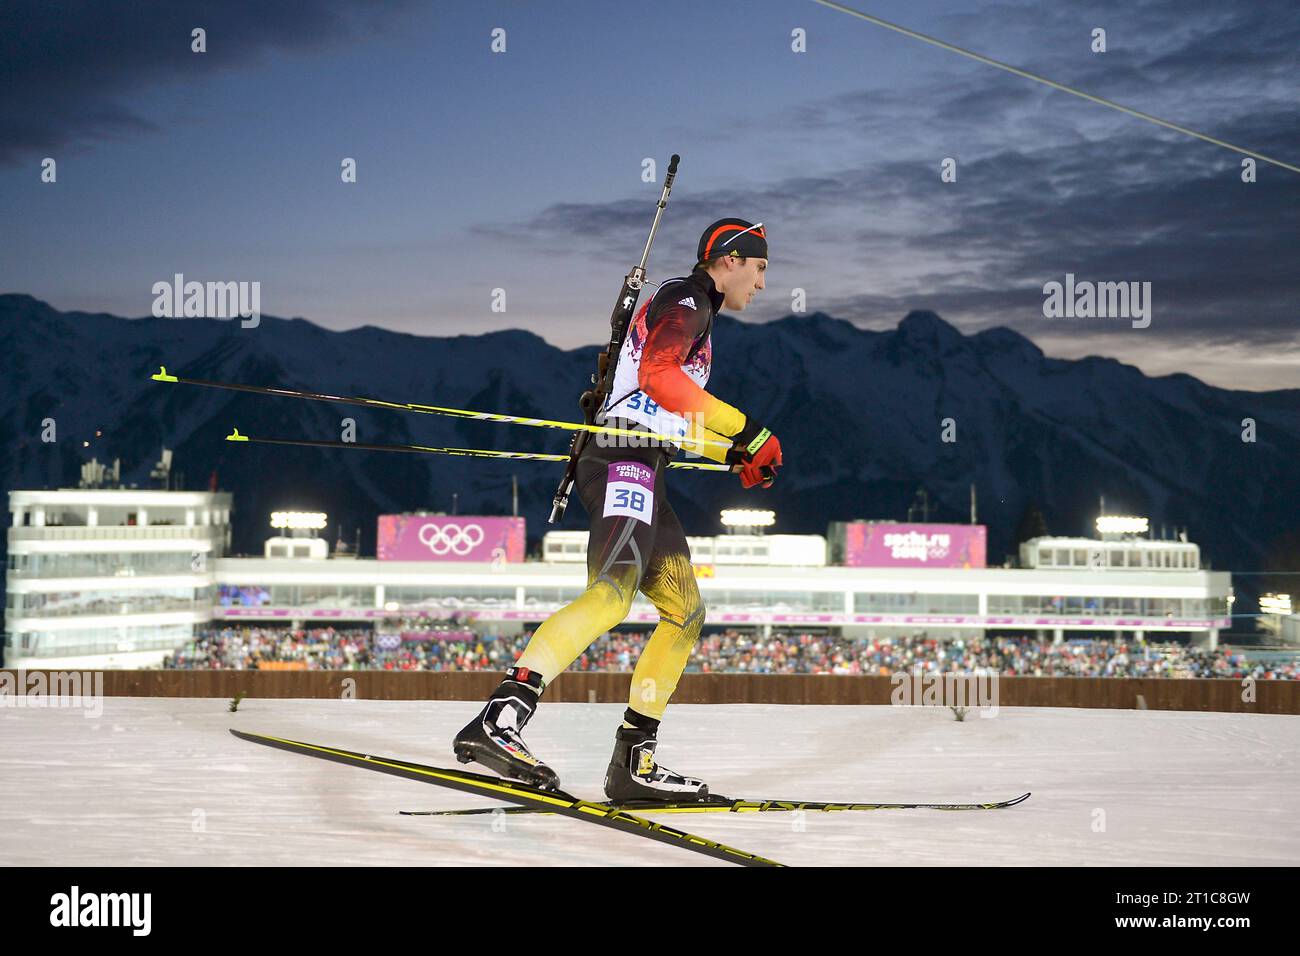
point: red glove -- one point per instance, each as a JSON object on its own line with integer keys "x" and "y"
{"x": 756, "y": 455}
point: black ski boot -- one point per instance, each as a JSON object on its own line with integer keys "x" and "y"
{"x": 492, "y": 738}
{"x": 633, "y": 773}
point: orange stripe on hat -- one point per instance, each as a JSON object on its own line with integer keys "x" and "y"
{"x": 731, "y": 227}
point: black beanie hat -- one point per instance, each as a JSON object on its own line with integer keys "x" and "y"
{"x": 732, "y": 237}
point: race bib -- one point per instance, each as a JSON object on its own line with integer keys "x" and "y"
{"x": 630, "y": 491}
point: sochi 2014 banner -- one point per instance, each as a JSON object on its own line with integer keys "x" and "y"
{"x": 889, "y": 545}
{"x": 450, "y": 538}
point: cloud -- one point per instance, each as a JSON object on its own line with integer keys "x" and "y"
{"x": 1047, "y": 184}
{"x": 66, "y": 68}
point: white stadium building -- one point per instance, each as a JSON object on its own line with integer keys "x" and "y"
{"x": 111, "y": 577}
{"x": 117, "y": 578}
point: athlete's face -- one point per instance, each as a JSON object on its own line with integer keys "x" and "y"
{"x": 743, "y": 282}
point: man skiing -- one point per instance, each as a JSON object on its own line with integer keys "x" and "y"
{"x": 636, "y": 542}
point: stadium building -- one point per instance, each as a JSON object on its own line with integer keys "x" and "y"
{"x": 110, "y": 577}
{"x": 120, "y": 577}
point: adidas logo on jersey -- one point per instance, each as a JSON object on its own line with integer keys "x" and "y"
{"x": 689, "y": 300}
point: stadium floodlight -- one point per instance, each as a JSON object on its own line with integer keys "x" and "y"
{"x": 1275, "y": 603}
{"x": 1121, "y": 524}
{"x": 299, "y": 520}
{"x": 747, "y": 518}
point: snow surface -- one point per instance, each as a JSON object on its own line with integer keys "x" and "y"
{"x": 160, "y": 781}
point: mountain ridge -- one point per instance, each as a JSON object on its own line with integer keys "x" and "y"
{"x": 862, "y": 416}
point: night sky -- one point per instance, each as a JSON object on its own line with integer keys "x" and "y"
{"x": 523, "y": 170}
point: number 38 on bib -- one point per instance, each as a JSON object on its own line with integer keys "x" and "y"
{"x": 630, "y": 491}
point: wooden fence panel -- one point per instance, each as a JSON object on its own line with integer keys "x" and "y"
{"x": 1220, "y": 695}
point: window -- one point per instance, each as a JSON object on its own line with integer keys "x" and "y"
{"x": 535, "y": 595}
{"x": 1161, "y": 607}
{"x": 903, "y": 603}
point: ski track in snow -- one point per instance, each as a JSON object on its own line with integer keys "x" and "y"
{"x": 159, "y": 781}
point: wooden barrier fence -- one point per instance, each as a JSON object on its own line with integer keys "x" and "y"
{"x": 1235, "y": 696}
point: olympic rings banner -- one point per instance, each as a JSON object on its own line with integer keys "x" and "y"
{"x": 890, "y": 545}
{"x": 450, "y": 538}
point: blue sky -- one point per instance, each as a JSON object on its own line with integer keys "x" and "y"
{"x": 522, "y": 170}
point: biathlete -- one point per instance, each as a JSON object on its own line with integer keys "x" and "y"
{"x": 636, "y": 542}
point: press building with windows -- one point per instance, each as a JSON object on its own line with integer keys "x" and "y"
{"x": 109, "y": 577}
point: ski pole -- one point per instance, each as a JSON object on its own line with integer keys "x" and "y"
{"x": 235, "y": 436}
{"x": 681, "y": 441}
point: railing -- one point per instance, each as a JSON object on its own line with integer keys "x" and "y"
{"x": 117, "y": 532}
{"x": 108, "y": 576}
{"x": 111, "y": 609}
{"x": 88, "y": 648}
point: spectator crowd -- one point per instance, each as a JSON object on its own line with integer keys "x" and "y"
{"x": 730, "y": 651}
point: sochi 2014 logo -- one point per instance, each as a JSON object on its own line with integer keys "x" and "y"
{"x": 451, "y": 538}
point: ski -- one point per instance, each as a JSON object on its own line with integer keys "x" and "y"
{"x": 723, "y": 805}
{"x": 521, "y": 794}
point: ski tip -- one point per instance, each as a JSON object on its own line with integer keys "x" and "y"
{"x": 252, "y": 738}
{"x": 162, "y": 376}
{"x": 235, "y": 436}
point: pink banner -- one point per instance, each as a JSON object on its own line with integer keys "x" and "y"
{"x": 890, "y": 545}
{"x": 426, "y": 636}
{"x": 758, "y": 617}
{"x": 450, "y": 538}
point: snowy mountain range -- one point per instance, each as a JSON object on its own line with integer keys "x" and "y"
{"x": 861, "y": 416}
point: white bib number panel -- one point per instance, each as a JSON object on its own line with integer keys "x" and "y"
{"x": 630, "y": 491}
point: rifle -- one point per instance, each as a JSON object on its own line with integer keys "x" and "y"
{"x": 593, "y": 399}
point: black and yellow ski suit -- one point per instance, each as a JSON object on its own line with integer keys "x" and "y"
{"x": 636, "y": 541}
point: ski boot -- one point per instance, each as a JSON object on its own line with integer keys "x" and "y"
{"x": 492, "y": 738}
{"x": 633, "y": 774}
